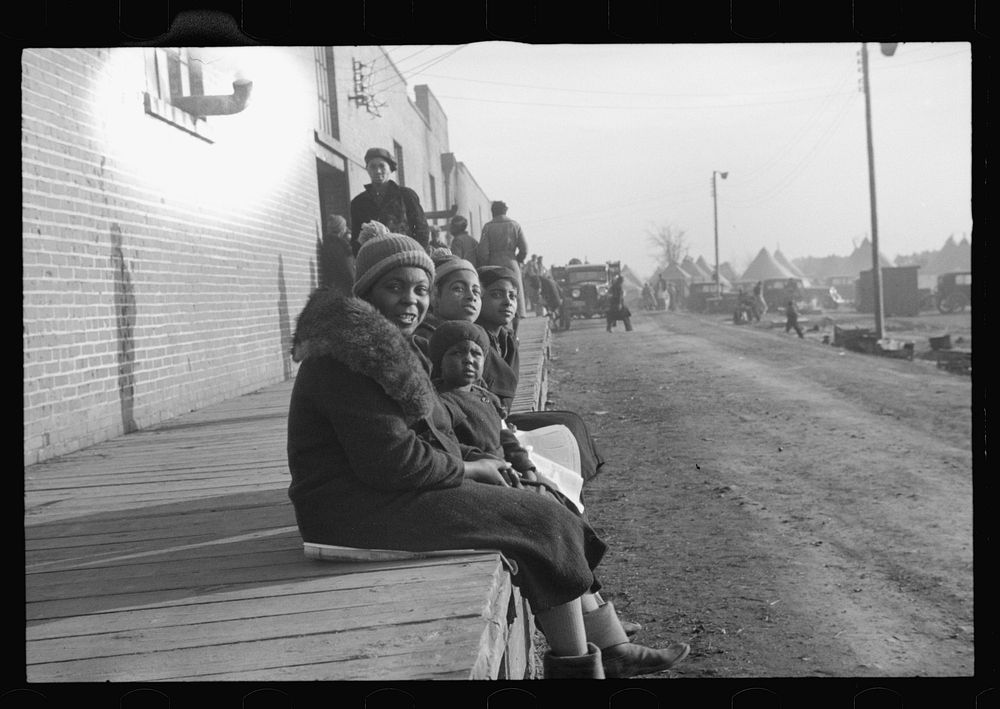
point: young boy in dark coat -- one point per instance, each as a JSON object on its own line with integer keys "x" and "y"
{"x": 502, "y": 367}
{"x": 457, "y": 352}
{"x": 496, "y": 316}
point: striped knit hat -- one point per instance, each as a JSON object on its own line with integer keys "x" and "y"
{"x": 448, "y": 266}
{"x": 382, "y": 251}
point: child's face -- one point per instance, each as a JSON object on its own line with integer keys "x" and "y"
{"x": 499, "y": 304}
{"x": 462, "y": 364}
{"x": 459, "y": 297}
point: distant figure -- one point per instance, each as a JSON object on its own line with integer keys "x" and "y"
{"x": 387, "y": 202}
{"x": 438, "y": 247}
{"x": 551, "y": 296}
{"x": 531, "y": 274}
{"x": 502, "y": 244}
{"x": 463, "y": 244}
{"x": 617, "y": 310}
{"x": 792, "y": 319}
{"x": 648, "y": 302}
{"x": 745, "y": 308}
{"x": 760, "y": 305}
{"x": 336, "y": 262}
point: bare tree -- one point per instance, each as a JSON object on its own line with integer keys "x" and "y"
{"x": 668, "y": 244}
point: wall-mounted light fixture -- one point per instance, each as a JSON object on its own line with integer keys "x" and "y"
{"x": 216, "y": 105}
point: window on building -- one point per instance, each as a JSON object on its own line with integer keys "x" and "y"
{"x": 326, "y": 87}
{"x": 173, "y": 72}
{"x": 398, "y": 150}
{"x": 434, "y": 196}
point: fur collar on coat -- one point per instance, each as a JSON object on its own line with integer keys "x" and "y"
{"x": 353, "y": 332}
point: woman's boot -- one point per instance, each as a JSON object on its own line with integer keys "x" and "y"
{"x": 574, "y": 666}
{"x": 619, "y": 657}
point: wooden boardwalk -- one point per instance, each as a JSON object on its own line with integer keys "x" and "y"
{"x": 172, "y": 554}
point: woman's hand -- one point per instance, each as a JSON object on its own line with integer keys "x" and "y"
{"x": 492, "y": 472}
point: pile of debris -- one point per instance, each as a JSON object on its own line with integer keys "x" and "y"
{"x": 952, "y": 359}
{"x": 861, "y": 339}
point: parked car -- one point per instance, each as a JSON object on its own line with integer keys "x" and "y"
{"x": 778, "y": 291}
{"x": 954, "y": 291}
{"x": 699, "y": 294}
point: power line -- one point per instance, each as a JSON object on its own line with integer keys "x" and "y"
{"x": 627, "y": 93}
{"x": 801, "y": 133}
{"x": 397, "y": 62}
{"x": 632, "y": 107}
{"x": 404, "y": 76}
{"x": 789, "y": 178}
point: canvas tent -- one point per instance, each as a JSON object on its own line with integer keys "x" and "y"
{"x": 763, "y": 267}
{"x": 861, "y": 260}
{"x": 710, "y": 270}
{"x": 673, "y": 273}
{"x": 952, "y": 257}
{"x": 792, "y": 268}
{"x": 694, "y": 270}
{"x": 726, "y": 270}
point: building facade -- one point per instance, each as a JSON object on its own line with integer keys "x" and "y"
{"x": 173, "y": 201}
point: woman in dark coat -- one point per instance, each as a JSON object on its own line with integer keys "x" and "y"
{"x": 384, "y": 201}
{"x": 375, "y": 464}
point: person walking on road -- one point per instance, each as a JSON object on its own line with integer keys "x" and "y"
{"x": 384, "y": 201}
{"x": 502, "y": 243}
{"x": 792, "y": 319}
{"x": 617, "y": 310}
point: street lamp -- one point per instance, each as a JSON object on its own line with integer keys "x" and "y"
{"x": 715, "y": 212}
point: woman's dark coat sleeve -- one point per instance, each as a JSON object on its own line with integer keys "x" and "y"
{"x": 383, "y": 452}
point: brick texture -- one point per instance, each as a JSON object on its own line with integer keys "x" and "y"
{"x": 163, "y": 270}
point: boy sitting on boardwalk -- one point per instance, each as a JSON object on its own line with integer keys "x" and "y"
{"x": 458, "y": 351}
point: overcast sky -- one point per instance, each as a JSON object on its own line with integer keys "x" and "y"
{"x": 592, "y": 146}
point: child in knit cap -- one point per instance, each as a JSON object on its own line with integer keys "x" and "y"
{"x": 457, "y": 352}
{"x": 455, "y": 295}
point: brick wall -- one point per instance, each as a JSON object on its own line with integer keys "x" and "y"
{"x": 161, "y": 272}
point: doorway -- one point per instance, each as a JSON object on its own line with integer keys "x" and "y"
{"x": 334, "y": 193}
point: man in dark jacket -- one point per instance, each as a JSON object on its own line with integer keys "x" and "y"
{"x": 385, "y": 201}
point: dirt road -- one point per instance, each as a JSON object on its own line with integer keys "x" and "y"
{"x": 789, "y": 508}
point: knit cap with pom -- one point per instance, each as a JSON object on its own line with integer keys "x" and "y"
{"x": 451, "y": 332}
{"x": 449, "y": 266}
{"x": 382, "y": 251}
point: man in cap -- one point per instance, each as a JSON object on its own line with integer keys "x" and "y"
{"x": 387, "y": 202}
{"x": 502, "y": 243}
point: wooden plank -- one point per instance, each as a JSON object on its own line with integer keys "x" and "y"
{"x": 307, "y": 578}
{"x": 359, "y": 604}
{"x": 452, "y": 642}
{"x": 172, "y": 554}
{"x": 248, "y": 642}
{"x": 467, "y": 597}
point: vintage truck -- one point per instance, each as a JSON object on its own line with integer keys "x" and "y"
{"x": 584, "y": 288}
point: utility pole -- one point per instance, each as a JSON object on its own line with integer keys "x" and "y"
{"x": 715, "y": 213}
{"x": 888, "y": 50}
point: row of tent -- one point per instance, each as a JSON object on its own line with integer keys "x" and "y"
{"x": 954, "y": 256}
